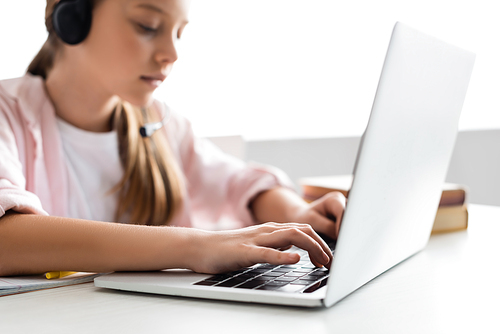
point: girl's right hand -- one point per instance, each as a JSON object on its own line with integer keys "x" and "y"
{"x": 224, "y": 251}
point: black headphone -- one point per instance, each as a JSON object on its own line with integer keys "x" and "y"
{"x": 71, "y": 20}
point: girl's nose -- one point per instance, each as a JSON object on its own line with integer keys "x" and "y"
{"x": 166, "y": 51}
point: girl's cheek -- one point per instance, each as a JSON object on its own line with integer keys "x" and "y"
{"x": 136, "y": 49}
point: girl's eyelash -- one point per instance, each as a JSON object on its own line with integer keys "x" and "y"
{"x": 179, "y": 34}
{"x": 150, "y": 30}
{"x": 147, "y": 29}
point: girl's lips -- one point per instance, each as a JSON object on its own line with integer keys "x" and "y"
{"x": 153, "y": 81}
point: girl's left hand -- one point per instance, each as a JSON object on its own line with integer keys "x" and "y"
{"x": 324, "y": 214}
{"x": 284, "y": 205}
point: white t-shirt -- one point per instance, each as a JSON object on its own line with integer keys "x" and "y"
{"x": 93, "y": 167}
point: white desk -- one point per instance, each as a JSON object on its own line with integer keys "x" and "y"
{"x": 453, "y": 286}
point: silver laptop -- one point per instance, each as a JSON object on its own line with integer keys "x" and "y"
{"x": 400, "y": 168}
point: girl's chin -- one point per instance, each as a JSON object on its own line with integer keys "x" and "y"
{"x": 139, "y": 101}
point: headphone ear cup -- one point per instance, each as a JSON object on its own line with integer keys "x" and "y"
{"x": 71, "y": 20}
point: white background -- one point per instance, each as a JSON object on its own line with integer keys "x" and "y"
{"x": 291, "y": 68}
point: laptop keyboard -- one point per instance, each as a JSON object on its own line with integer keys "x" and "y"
{"x": 302, "y": 277}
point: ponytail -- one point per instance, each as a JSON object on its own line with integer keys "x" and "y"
{"x": 43, "y": 61}
{"x": 151, "y": 187}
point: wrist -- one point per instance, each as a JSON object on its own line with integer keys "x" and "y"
{"x": 179, "y": 247}
{"x": 192, "y": 247}
{"x": 278, "y": 205}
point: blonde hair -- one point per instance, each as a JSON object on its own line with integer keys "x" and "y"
{"x": 150, "y": 191}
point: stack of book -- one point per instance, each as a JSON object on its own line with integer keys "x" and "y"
{"x": 452, "y": 214}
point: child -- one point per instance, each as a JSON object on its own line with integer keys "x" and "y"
{"x": 83, "y": 143}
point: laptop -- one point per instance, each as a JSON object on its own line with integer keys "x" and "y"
{"x": 398, "y": 176}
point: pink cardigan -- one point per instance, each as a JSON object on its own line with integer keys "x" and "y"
{"x": 33, "y": 171}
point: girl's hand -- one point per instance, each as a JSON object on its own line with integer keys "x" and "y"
{"x": 324, "y": 214}
{"x": 216, "y": 252}
{"x": 284, "y": 205}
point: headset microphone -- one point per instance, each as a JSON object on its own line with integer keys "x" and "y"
{"x": 148, "y": 129}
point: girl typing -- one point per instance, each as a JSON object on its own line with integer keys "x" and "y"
{"x": 96, "y": 175}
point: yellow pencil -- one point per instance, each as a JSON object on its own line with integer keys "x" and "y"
{"x": 58, "y": 274}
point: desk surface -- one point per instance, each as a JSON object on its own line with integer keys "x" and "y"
{"x": 450, "y": 287}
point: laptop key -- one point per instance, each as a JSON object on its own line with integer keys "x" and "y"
{"x": 232, "y": 282}
{"x": 316, "y": 286}
{"x": 266, "y": 266}
{"x": 220, "y": 277}
{"x": 309, "y": 266}
{"x": 303, "y": 270}
{"x": 303, "y": 281}
{"x": 285, "y": 279}
{"x": 206, "y": 283}
{"x": 283, "y": 270}
{"x": 271, "y": 286}
{"x": 272, "y": 274}
{"x": 292, "y": 266}
{"x": 267, "y": 287}
{"x": 315, "y": 277}
{"x": 291, "y": 288}
{"x": 294, "y": 274}
{"x": 259, "y": 271}
{"x": 249, "y": 284}
{"x": 310, "y": 277}
{"x": 247, "y": 275}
